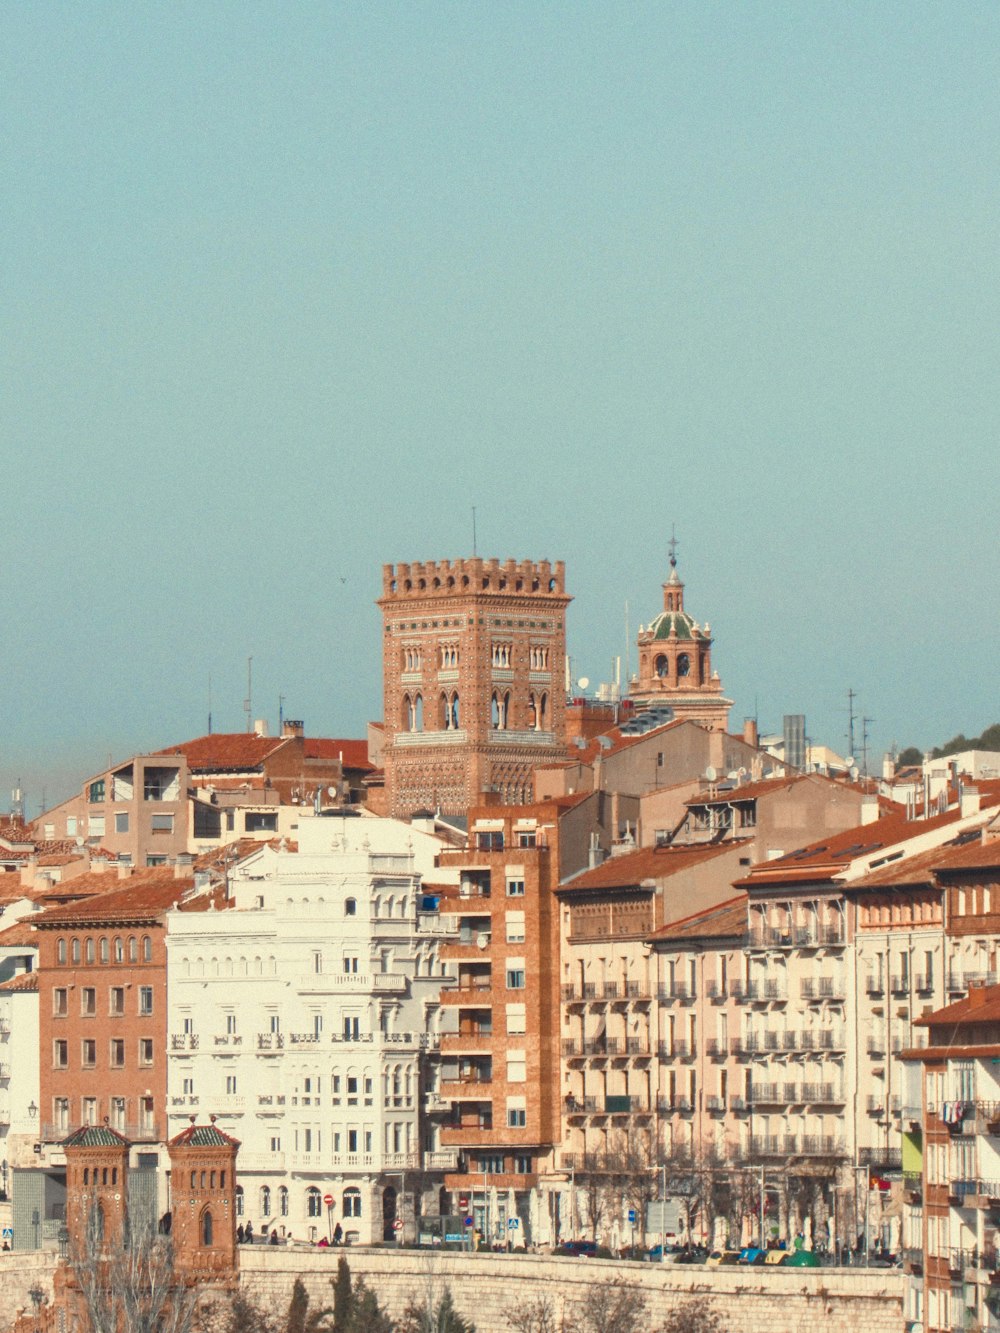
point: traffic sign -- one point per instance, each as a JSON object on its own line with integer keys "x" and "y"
{"x": 398, "y": 1224}
{"x": 631, "y": 1214}
{"x": 463, "y": 1203}
{"x": 468, "y": 1221}
{"x": 513, "y": 1223}
{"x": 328, "y": 1200}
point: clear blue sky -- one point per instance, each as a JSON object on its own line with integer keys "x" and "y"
{"x": 289, "y": 287}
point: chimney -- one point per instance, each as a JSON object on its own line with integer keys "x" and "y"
{"x": 869, "y": 809}
{"x": 888, "y": 768}
{"x": 969, "y": 799}
{"x": 750, "y": 734}
{"x": 182, "y": 865}
{"x": 292, "y": 728}
{"x": 124, "y": 869}
{"x": 260, "y": 726}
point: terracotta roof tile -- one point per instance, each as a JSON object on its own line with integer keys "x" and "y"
{"x": 632, "y": 868}
{"x": 728, "y": 920}
{"x": 135, "y": 901}
{"x": 225, "y": 750}
{"x": 354, "y": 753}
{"x": 19, "y": 935}
{"x": 751, "y": 791}
{"x": 203, "y": 1136}
{"x": 981, "y": 1006}
{"x": 24, "y": 982}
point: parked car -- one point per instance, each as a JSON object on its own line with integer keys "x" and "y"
{"x": 723, "y": 1259}
{"x": 752, "y": 1254}
{"x": 774, "y": 1258}
{"x": 585, "y": 1249}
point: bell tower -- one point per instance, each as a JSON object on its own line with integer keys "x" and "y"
{"x": 473, "y": 656}
{"x": 203, "y": 1201}
{"x": 675, "y": 661}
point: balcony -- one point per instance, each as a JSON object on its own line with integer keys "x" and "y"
{"x": 441, "y": 1159}
{"x": 716, "y": 1048}
{"x": 462, "y": 1043}
{"x": 274, "y": 1099}
{"x": 715, "y": 1103}
{"x": 149, "y": 1132}
{"x": 974, "y": 1193}
{"x": 716, "y": 990}
{"x": 875, "y": 1045}
{"x": 466, "y": 1089}
{"x": 270, "y": 1043}
{"x": 882, "y": 1159}
{"x": 823, "y": 1145}
{"x": 874, "y": 986}
{"x": 822, "y": 1094}
{"x": 784, "y": 1145}
{"x": 227, "y": 1039}
{"x": 580, "y": 1105}
{"x": 749, "y": 1044}
{"x": 822, "y": 988}
{"x": 900, "y": 985}
{"x": 183, "y": 1041}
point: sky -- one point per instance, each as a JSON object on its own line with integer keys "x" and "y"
{"x": 289, "y": 288}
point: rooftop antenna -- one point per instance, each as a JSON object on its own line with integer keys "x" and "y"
{"x": 474, "y": 530}
{"x": 627, "y": 646}
{"x": 281, "y": 714}
{"x": 865, "y": 737}
{"x": 851, "y": 696}
{"x": 248, "y": 701}
{"x": 210, "y": 703}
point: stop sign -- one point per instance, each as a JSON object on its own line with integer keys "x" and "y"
{"x": 328, "y": 1200}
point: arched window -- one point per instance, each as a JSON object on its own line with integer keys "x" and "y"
{"x": 683, "y": 665}
{"x": 406, "y": 713}
{"x": 265, "y": 1200}
{"x": 99, "y": 1222}
{"x": 103, "y": 949}
{"x": 133, "y": 950}
{"x": 351, "y": 907}
{"x": 74, "y": 951}
{"x": 194, "y": 1179}
{"x": 61, "y": 951}
{"x": 239, "y": 1200}
{"x": 444, "y": 713}
{"x": 418, "y": 713}
{"x": 206, "y": 1228}
{"x": 147, "y": 949}
{"x": 118, "y": 951}
{"x": 314, "y": 1202}
{"x": 454, "y": 712}
{"x": 662, "y": 666}
{"x": 88, "y": 950}
{"x": 543, "y": 712}
{"x": 352, "y": 1202}
{"x": 283, "y": 1200}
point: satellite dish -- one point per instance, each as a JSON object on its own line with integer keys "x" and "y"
{"x": 331, "y": 791}
{"x": 583, "y": 682}
{"x": 849, "y": 761}
{"x": 710, "y": 773}
{"x": 78, "y": 840}
{"x": 742, "y": 772}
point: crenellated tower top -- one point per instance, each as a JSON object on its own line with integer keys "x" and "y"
{"x": 444, "y": 578}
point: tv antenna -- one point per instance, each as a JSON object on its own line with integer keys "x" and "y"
{"x": 248, "y": 701}
{"x": 851, "y": 696}
{"x": 865, "y": 738}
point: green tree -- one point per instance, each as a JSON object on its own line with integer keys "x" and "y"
{"x": 298, "y": 1308}
{"x": 429, "y": 1316}
{"x": 911, "y": 757}
{"x": 366, "y": 1315}
{"x": 342, "y": 1296}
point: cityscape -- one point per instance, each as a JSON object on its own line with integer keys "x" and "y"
{"x": 522, "y": 970}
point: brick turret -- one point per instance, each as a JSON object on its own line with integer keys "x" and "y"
{"x": 203, "y": 1202}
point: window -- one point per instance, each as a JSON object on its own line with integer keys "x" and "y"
{"x": 103, "y": 951}
{"x": 118, "y": 1113}
{"x": 352, "y": 1203}
{"x": 515, "y": 927}
{"x": 116, "y": 1000}
{"x": 95, "y": 792}
{"x": 515, "y": 974}
{"x": 117, "y": 1052}
{"x": 517, "y": 1070}
{"x": 61, "y": 951}
{"x": 231, "y": 1085}
{"x": 145, "y": 1050}
{"x": 517, "y": 1117}
{"x": 314, "y": 1202}
{"x": 352, "y": 1140}
{"x": 276, "y": 1143}
{"x": 74, "y": 951}
{"x": 492, "y": 1164}
{"x": 161, "y": 823}
{"x": 71, "y": 826}
{"x": 95, "y": 826}
{"x": 527, "y": 838}
{"x": 88, "y": 1053}
{"x": 60, "y": 1112}
{"x": 261, "y": 821}
{"x": 317, "y": 962}
{"x": 283, "y": 1200}
{"x": 352, "y": 1090}
{"x": 60, "y": 1054}
{"x": 351, "y": 907}
{"x": 147, "y": 949}
{"x": 352, "y": 1028}
{"x": 516, "y": 1019}
{"x": 206, "y": 1228}
{"x": 515, "y": 888}
{"x": 239, "y": 1200}
{"x": 522, "y": 1164}
{"x": 88, "y": 1001}
{"x": 265, "y": 1200}
{"x": 118, "y": 951}
{"x": 60, "y": 1006}
{"x": 88, "y": 950}
{"x": 121, "y": 821}
{"x": 88, "y": 1109}
{"x": 489, "y": 841}
{"x": 350, "y": 965}
{"x": 145, "y": 1000}
{"x": 133, "y": 950}
{"x": 187, "y": 1087}
{"x": 231, "y": 1024}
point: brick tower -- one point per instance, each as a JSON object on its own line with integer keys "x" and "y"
{"x": 472, "y": 658}
{"x": 203, "y": 1202}
{"x": 96, "y": 1188}
{"x": 675, "y": 662}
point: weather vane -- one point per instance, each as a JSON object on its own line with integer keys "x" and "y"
{"x": 672, "y": 543}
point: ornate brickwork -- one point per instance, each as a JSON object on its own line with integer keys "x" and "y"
{"x": 473, "y": 654}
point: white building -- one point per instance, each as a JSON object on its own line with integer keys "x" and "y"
{"x": 303, "y": 1015}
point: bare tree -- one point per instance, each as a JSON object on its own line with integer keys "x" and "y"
{"x": 591, "y": 1184}
{"x": 128, "y": 1283}
{"x": 694, "y": 1316}
{"x": 535, "y": 1316}
{"x": 634, "y": 1170}
{"x": 616, "y": 1306}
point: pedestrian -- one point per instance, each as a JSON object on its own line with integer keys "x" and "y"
{"x": 239, "y": 1234}
{"x": 249, "y": 1233}
{"x": 274, "y": 1236}
{"x": 338, "y": 1234}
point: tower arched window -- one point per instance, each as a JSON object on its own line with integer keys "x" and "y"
{"x": 418, "y": 713}
{"x": 683, "y": 665}
{"x": 454, "y": 712}
{"x": 444, "y": 713}
{"x": 662, "y": 666}
{"x": 543, "y": 712}
{"x": 206, "y": 1228}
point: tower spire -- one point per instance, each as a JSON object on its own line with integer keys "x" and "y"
{"x": 673, "y": 544}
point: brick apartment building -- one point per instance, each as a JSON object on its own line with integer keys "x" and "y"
{"x": 473, "y": 659}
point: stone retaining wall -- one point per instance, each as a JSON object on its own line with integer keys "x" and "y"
{"x": 19, "y": 1271}
{"x": 485, "y": 1287}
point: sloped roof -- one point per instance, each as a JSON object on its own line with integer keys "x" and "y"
{"x": 726, "y": 920}
{"x": 981, "y": 1006}
{"x": 631, "y": 869}
{"x": 203, "y": 1136}
{"x": 616, "y": 742}
{"x": 96, "y": 1136}
{"x": 225, "y": 750}
{"x": 143, "y": 901}
{"x": 21, "y": 934}
{"x": 724, "y": 794}
{"x": 23, "y": 982}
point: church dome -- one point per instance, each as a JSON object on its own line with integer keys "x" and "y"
{"x": 668, "y": 622}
